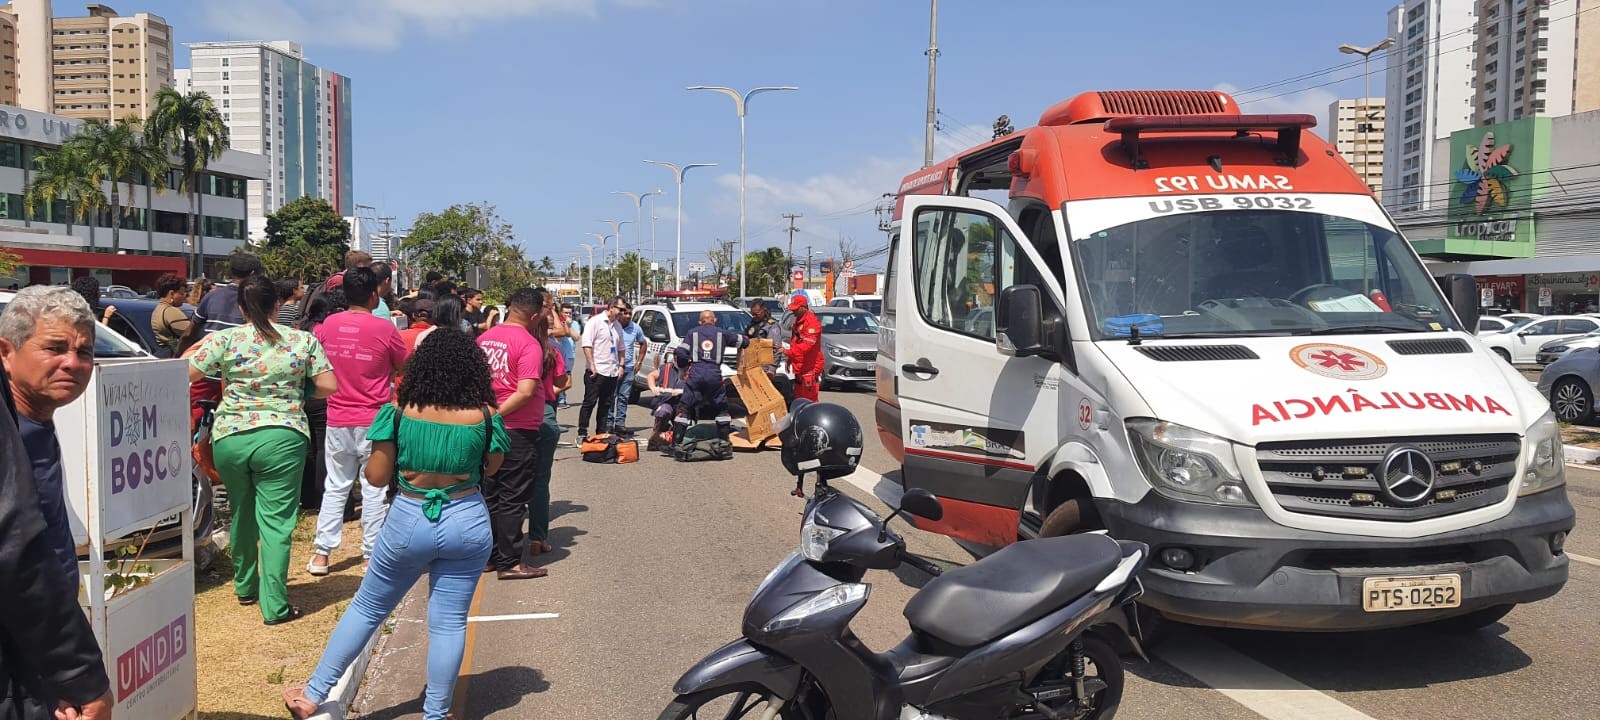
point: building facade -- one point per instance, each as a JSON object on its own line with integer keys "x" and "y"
{"x": 1526, "y": 56}
{"x": 1520, "y": 211}
{"x": 1429, "y": 92}
{"x": 102, "y": 66}
{"x": 1356, "y": 127}
{"x": 292, "y": 112}
{"x": 156, "y": 223}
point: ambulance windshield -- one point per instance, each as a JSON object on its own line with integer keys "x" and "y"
{"x": 1249, "y": 265}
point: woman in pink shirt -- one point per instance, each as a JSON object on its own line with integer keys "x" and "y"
{"x": 556, "y": 381}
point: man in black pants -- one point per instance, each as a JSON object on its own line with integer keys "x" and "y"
{"x": 516, "y": 364}
{"x": 601, "y": 351}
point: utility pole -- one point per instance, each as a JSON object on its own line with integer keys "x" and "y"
{"x": 791, "y": 217}
{"x": 807, "y": 283}
{"x": 933, "y": 62}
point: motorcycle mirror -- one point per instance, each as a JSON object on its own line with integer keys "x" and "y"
{"x": 923, "y": 504}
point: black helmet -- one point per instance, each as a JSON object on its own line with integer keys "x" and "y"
{"x": 821, "y": 437}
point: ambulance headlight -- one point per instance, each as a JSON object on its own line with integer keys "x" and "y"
{"x": 1185, "y": 464}
{"x": 1546, "y": 466}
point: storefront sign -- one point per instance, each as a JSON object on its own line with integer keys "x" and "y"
{"x": 29, "y": 125}
{"x": 1546, "y": 299}
{"x": 1500, "y": 229}
{"x": 131, "y": 428}
{"x": 1493, "y": 171}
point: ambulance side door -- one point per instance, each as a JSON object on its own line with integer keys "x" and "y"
{"x": 975, "y": 423}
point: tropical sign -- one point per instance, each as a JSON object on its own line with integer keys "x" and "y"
{"x": 1484, "y": 174}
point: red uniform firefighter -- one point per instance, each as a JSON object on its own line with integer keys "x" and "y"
{"x": 805, "y": 349}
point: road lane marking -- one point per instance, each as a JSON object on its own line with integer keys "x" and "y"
{"x": 504, "y": 618}
{"x": 1265, "y": 691}
{"x": 874, "y": 484}
{"x": 1585, "y": 559}
{"x": 458, "y": 703}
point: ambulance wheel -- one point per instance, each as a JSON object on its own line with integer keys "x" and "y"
{"x": 1066, "y": 519}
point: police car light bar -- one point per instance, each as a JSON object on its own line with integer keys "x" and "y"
{"x": 1287, "y": 126}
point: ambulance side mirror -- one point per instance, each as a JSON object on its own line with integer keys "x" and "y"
{"x": 1019, "y": 322}
{"x": 1462, "y": 292}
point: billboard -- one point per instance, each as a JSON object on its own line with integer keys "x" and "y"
{"x": 1497, "y": 173}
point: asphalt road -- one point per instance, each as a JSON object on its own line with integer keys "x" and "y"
{"x": 655, "y": 562}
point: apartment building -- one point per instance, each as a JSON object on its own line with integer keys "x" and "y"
{"x": 1429, "y": 92}
{"x": 1356, "y": 127}
{"x": 101, "y": 66}
{"x": 1526, "y": 60}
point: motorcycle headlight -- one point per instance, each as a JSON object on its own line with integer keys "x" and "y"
{"x": 1547, "y": 467}
{"x": 835, "y": 597}
{"x": 814, "y": 539}
{"x": 1185, "y": 464}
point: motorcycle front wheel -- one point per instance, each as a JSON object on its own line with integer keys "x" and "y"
{"x": 737, "y": 703}
{"x": 1103, "y": 676}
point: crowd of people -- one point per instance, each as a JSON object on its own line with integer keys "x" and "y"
{"x": 438, "y": 431}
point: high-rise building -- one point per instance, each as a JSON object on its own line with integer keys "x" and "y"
{"x": 1526, "y": 59}
{"x": 107, "y": 66}
{"x": 293, "y": 112}
{"x": 1355, "y": 126}
{"x": 1586, "y": 60}
{"x": 28, "y": 61}
{"x": 1429, "y": 92}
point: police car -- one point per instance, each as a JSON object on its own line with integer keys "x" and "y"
{"x": 666, "y": 324}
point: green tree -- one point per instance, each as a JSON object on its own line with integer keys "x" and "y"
{"x": 463, "y": 236}
{"x": 118, "y": 153}
{"x": 768, "y": 271}
{"x": 190, "y": 127}
{"x": 63, "y": 174}
{"x": 298, "y": 259}
{"x": 308, "y": 220}
{"x": 8, "y": 263}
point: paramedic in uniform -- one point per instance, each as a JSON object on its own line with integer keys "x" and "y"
{"x": 703, "y": 391}
{"x": 805, "y": 349}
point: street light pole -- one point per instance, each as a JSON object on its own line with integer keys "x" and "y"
{"x": 677, "y": 176}
{"x": 638, "y": 225}
{"x": 616, "y": 253}
{"x": 740, "y": 103}
{"x": 1366, "y": 93}
{"x": 590, "y": 248}
{"x": 602, "y": 238}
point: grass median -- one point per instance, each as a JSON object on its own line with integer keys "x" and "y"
{"x": 244, "y": 665}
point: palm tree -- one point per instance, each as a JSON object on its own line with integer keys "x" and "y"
{"x": 63, "y": 174}
{"x": 119, "y": 153}
{"x": 190, "y": 127}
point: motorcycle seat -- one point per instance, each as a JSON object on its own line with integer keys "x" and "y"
{"x": 1021, "y": 583}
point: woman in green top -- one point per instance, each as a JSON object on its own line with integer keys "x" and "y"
{"x": 436, "y": 446}
{"x": 260, "y": 438}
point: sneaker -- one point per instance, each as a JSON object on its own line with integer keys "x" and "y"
{"x": 318, "y": 570}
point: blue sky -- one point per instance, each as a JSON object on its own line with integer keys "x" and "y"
{"x": 542, "y": 107}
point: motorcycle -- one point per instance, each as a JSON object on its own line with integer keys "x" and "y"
{"x": 1035, "y": 630}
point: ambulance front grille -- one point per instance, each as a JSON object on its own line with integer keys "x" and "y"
{"x": 1340, "y": 478}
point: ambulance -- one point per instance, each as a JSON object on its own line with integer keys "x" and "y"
{"x": 1156, "y": 316}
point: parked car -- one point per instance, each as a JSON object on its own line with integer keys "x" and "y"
{"x": 1557, "y": 349}
{"x": 849, "y": 346}
{"x": 1520, "y": 344}
{"x": 1490, "y": 324}
{"x": 118, "y": 292}
{"x": 1570, "y": 385}
{"x": 132, "y": 321}
{"x": 870, "y": 303}
{"x": 1517, "y": 317}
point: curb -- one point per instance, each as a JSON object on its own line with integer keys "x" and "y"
{"x": 1580, "y": 456}
{"x": 344, "y": 691}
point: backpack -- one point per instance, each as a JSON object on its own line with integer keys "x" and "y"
{"x": 606, "y": 448}
{"x": 699, "y": 450}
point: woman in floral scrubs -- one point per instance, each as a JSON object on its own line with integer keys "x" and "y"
{"x": 260, "y": 438}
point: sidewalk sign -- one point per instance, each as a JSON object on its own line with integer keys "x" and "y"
{"x": 125, "y": 451}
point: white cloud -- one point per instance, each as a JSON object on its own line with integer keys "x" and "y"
{"x": 1312, "y": 101}
{"x": 372, "y": 24}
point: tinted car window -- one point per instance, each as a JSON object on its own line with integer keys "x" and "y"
{"x": 735, "y": 320}
{"x": 1577, "y": 326}
{"x": 1487, "y": 324}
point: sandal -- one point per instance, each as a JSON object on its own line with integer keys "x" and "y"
{"x": 293, "y": 614}
{"x": 539, "y": 547}
{"x": 522, "y": 572}
{"x": 299, "y": 706}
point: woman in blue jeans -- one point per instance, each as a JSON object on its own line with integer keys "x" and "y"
{"x": 443, "y": 438}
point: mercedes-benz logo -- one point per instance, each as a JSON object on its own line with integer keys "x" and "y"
{"x": 1408, "y": 476}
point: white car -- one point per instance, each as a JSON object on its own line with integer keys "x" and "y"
{"x": 665, "y": 326}
{"x": 109, "y": 346}
{"x": 1520, "y": 344}
{"x": 870, "y": 303}
{"x": 1491, "y": 324}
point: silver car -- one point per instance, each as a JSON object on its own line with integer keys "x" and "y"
{"x": 849, "y": 345}
{"x": 1570, "y": 384}
{"x": 1557, "y": 349}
